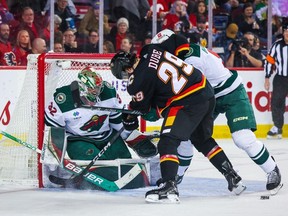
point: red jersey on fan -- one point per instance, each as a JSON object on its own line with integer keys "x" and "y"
{"x": 7, "y": 57}
{"x": 169, "y": 21}
{"x": 21, "y": 55}
{"x": 162, "y": 5}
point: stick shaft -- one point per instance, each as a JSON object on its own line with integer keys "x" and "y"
{"x": 21, "y": 142}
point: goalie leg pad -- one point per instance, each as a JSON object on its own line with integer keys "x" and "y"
{"x": 141, "y": 144}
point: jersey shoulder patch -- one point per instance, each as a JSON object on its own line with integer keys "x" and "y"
{"x": 64, "y": 99}
{"x": 194, "y": 50}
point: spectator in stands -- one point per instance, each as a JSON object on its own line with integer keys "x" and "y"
{"x": 5, "y": 15}
{"x": 38, "y": 46}
{"x": 22, "y": 48}
{"x": 225, "y": 40}
{"x": 70, "y": 42}
{"x": 30, "y": 24}
{"x": 247, "y": 22}
{"x": 92, "y": 46}
{"x": 242, "y": 54}
{"x": 46, "y": 31}
{"x": 16, "y": 7}
{"x": 119, "y": 32}
{"x": 162, "y": 9}
{"x": 234, "y": 9}
{"x": 108, "y": 47}
{"x": 126, "y": 45}
{"x": 258, "y": 48}
{"x": 7, "y": 57}
{"x": 64, "y": 12}
{"x": 58, "y": 36}
{"x": 177, "y": 16}
{"x": 71, "y": 6}
{"x": 134, "y": 11}
{"x": 58, "y": 47}
{"x": 201, "y": 10}
{"x": 90, "y": 21}
{"x": 198, "y": 34}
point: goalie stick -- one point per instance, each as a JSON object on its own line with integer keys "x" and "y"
{"x": 89, "y": 176}
{"x": 78, "y": 104}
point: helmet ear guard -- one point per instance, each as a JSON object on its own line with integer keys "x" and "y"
{"x": 120, "y": 62}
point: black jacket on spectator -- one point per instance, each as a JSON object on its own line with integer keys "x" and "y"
{"x": 69, "y": 49}
{"x": 64, "y": 15}
{"x": 90, "y": 48}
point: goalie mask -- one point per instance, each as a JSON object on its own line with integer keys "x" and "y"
{"x": 91, "y": 84}
{"x": 120, "y": 62}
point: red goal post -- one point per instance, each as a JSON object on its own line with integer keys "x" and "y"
{"x": 44, "y": 74}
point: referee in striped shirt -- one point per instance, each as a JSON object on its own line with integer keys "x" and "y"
{"x": 277, "y": 60}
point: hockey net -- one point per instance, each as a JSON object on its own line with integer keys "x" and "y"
{"x": 20, "y": 165}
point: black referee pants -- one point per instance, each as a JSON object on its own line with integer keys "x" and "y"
{"x": 278, "y": 100}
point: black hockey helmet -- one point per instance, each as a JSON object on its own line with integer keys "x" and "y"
{"x": 120, "y": 62}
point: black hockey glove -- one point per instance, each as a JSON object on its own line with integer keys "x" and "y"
{"x": 130, "y": 122}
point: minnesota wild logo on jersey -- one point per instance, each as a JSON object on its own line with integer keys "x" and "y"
{"x": 95, "y": 123}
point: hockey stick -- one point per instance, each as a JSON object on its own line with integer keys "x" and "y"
{"x": 78, "y": 103}
{"x": 89, "y": 176}
{"x": 74, "y": 180}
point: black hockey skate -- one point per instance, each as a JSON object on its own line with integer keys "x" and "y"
{"x": 274, "y": 181}
{"x": 234, "y": 180}
{"x": 167, "y": 193}
{"x": 177, "y": 178}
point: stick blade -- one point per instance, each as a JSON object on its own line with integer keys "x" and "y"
{"x": 66, "y": 183}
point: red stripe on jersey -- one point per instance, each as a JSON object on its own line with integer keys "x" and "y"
{"x": 174, "y": 110}
{"x": 187, "y": 92}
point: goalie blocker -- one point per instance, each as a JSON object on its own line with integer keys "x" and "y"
{"x": 110, "y": 169}
{"x": 142, "y": 144}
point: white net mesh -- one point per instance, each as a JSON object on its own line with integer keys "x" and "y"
{"x": 18, "y": 164}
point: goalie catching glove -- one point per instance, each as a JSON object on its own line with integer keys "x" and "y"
{"x": 141, "y": 144}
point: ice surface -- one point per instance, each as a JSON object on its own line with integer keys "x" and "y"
{"x": 202, "y": 192}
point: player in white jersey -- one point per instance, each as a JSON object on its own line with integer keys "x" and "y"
{"x": 88, "y": 130}
{"x": 231, "y": 99}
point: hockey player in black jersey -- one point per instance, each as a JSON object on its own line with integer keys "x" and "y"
{"x": 185, "y": 99}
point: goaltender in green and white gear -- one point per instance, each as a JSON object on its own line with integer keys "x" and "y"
{"x": 89, "y": 130}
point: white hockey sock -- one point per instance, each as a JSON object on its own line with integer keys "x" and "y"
{"x": 185, "y": 154}
{"x": 246, "y": 140}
